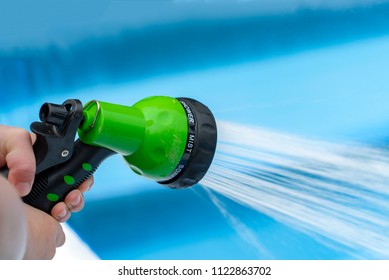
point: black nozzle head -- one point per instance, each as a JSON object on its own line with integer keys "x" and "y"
{"x": 200, "y": 147}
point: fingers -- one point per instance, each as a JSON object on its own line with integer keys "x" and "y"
{"x": 60, "y": 212}
{"x": 17, "y": 153}
{"x": 61, "y": 238}
{"x": 45, "y": 234}
{"x": 84, "y": 187}
{"x": 74, "y": 202}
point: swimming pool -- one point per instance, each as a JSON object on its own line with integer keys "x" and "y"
{"x": 316, "y": 70}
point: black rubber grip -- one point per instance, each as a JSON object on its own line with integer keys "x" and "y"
{"x": 52, "y": 185}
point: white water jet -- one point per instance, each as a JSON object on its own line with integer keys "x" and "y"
{"x": 332, "y": 191}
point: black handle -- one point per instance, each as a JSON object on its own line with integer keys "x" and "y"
{"x": 52, "y": 185}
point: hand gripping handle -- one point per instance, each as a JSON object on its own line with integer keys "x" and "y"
{"x": 52, "y": 185}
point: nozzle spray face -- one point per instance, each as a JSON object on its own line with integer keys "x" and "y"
{"x": 200, "y": 145}
{"x": 169, "y": 140}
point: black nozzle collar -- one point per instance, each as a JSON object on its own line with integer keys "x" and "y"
{"x": 200, "y": 146}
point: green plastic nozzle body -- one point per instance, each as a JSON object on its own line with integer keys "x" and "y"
{"x": 151, "y": 135}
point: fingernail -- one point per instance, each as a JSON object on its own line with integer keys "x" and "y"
{"x": 89, "y": 184}
{"x": 76, "y": 201}
{"x": 23, "y": 188}
{"x": 62, "y": 214}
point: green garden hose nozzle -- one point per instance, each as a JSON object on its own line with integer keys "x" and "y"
{"x": 169, "y": 140}
{"x": 159, "y": 137}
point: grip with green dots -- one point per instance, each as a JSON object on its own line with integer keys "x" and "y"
{"x": 52, "y": 185}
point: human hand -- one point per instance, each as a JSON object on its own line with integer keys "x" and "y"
{"x": 44, "y": 235}
{"x": 74, "y": 202}
{"x": 16, "y": 152}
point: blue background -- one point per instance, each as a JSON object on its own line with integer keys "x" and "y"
{"x": 312, "y": 68}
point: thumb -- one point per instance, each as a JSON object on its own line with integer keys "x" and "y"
{"x": 16, "y": 150}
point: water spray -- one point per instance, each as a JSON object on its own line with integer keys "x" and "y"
{"x": 169, "y": 140}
